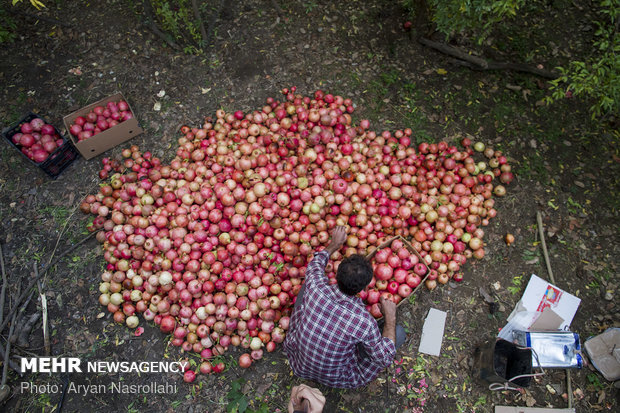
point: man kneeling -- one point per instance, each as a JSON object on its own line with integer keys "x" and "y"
{"x": 333, "y": 339}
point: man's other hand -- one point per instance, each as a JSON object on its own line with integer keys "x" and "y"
{"x": 313, "y": 398}
{"x": 388, "y": 309}
{"x": 339, "y": 236}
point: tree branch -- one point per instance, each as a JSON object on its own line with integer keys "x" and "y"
{"x": 203, "y": 32}
{"x": 478, "y": 63}
{"x": 42, "y": 18}
{"x": 214, "y": 17}
{"x": 150, "y": 23}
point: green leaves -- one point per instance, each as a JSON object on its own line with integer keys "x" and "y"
{"x": 238, "y": 402}
{"x": 7, "y": 27}
{"x": 35, "y": 3}
{"x": 597, "y": 78}
{"x": 178, "y": 21}
{"x": 515, "y": 288}
{"x": 476, "y": 16}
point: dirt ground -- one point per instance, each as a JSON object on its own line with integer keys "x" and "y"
{"x": 566, "y": 167}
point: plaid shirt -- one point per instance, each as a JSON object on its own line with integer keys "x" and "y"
{"x": 325, "y": 329}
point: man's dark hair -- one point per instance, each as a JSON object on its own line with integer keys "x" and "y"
{"x": 354, "y": 274}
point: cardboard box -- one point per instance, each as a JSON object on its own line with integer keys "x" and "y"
{"x": 109, "y": 138}
{"x": 518, "y": 409}
{"x": 543, "y": 307}
{"x": 407, "y": 244}
{"x": 411, "y": 249}
{"x": 604, "y": 353}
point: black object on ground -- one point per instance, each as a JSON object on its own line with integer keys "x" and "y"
{"x": 501, "y": 361}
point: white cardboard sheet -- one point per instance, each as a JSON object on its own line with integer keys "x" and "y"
{"x": 518, "y": 409}
{"x": 542, "y": 307}
{"x": 432, "y": 332}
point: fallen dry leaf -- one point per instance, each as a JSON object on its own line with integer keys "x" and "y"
{"x": 529, "y": 400}
{"x": 573, "y": 223}
{"x": 578, "y": 393}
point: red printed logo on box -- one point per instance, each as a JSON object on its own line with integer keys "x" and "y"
{"x": 551, "y": 298}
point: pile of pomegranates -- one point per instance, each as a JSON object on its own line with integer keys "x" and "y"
{"x": 37, "y": 139}
{"x": 213, "y": 245}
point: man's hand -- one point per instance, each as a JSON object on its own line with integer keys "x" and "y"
{"x": 302, "y": 396}
{"x": 339, "y": 236}
{"x": 388, "y": 308}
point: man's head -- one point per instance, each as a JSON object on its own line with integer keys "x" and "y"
{"x": 354, "y": 274}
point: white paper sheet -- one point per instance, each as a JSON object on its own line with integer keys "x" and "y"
{"x": 538, "y": 296}
{"x": 432, "y": 332}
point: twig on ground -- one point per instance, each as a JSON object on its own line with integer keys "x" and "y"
{"x": 62, "y": 231}
{"x": 478, "y": 63}
{"x": 20, "y": 317}
{"x": 4, "y": 389}
{"x": 454, "y": 52}
{"x": 541, "y": 232}
{"x": 46, "y": 335}
{"x": 4, "y": 354}
{"x": 11, "y": 363}
{"x": 42, "y": 18}
{"x": 23, "y": 337}
{"x": 7, "y": 353}
{"x": 569, "y": 389}
{"x": 43, "y": 271}
{"x": 68, "y": 251}
{"x": 544, "y": 245}
{"x": 4, "y": 284}
{"x": 31, "y": 353}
